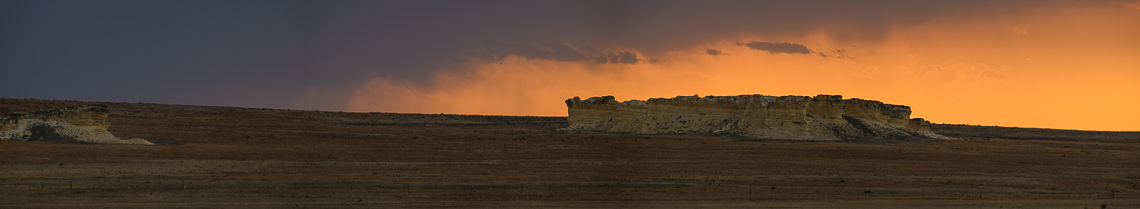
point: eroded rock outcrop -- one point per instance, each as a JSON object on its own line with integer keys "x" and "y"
{"x": 823, "y": 117}
{"x": 87, "y": 123}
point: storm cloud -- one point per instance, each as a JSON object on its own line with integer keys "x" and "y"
{"x": 558, "y": 52}
{"x": 268, "y": 53}
{"x": 621, "y": 57}
{"x": 314, "y": 54}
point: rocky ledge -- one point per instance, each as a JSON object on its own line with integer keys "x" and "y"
{"x": 823, "y": 117}
{"x": 87, "y": 124}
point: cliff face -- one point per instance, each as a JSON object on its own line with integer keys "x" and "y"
{"x": 823, "y": 117}
{"x": 86, "y": 123}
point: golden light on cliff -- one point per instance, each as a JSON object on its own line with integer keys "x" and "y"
{"x": 1036, "y": 69}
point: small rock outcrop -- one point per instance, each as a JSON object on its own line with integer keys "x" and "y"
{"x": 823, "y": 117}
{"x": 87, "y": 123}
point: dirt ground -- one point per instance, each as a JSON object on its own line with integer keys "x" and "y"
{"x": 223, "y": 157}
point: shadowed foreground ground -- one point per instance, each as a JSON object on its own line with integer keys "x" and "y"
{"x": 263, "y": 158}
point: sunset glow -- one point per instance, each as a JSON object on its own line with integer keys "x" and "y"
{"x": 1052, "y": 67}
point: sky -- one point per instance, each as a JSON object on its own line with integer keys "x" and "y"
{"x": 1047, "y": 64}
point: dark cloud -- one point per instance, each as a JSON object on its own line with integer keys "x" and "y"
{"x": 269, "y": 53}
{"x": 558, "y": 52}
{"x": 549, "y": 51}
{"x": 714, "y": 52}
{"x": 775, "y": 48}
{"x": 621, "y": 57}
{"x": 793, "y": 48}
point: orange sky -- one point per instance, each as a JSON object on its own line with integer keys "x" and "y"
{"x": 1049, "y": 67}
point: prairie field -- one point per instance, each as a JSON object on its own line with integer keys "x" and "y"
{"x": 226, "y": 157}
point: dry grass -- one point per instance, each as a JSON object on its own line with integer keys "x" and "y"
{"x": 264, "y": 158}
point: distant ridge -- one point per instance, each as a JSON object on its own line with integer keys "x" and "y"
{"x": 123, "y": 115}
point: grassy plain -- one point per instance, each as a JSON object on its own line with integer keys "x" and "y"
{"x": 224, "y": 157}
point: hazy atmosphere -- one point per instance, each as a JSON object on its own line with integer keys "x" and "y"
{"x": 1050, "y": 64}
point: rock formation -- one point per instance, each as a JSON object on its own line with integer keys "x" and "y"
{"x": 823, "y": 117}
{"x": 87, "y": 123}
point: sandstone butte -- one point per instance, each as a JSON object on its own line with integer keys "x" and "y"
{"x": 86, "y": 123}
{"x": 757, "y": 117}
